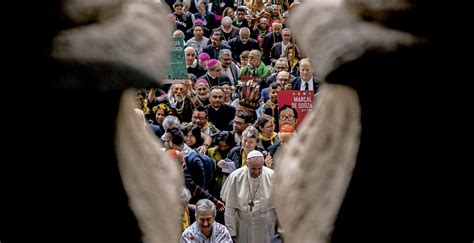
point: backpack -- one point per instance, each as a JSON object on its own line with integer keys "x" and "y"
{"x": 209, "y": 167}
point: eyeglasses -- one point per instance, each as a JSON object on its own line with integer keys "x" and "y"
{"x": 288, "y": 118}
{"x": 217, "y": 70}
{"x": 286, "y": 35}
{"x": 199, "y": 118}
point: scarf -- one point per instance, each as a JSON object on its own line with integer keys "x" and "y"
{"x": 261, "y": 137}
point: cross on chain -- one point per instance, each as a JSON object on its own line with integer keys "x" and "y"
{"x": 251, "y": 204}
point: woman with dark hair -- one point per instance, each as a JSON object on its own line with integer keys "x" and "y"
{"x": 160, "y": 111}
{"x": 224, "y": 142}
{"x": 229, "y": 11}
{"x": 192, "y": 136}
{"x": 292, "y": 54}
{"x": 266, "y": 128}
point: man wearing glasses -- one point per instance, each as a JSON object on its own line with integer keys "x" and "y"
{"x": 213, "y": 75}
{"x": 288, "y": 115}
{"x": 279, "y": 48}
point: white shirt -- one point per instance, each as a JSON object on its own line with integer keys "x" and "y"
{"x": 198, "y": 45}
{"x": 310, "y": 84}
{"x": 283, "y": 47}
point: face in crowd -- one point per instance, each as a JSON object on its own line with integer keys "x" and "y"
{"x": 239, "y": 125}
{"x": 225, "y": 60}
{"x": 283, "y": 78}
{"x": 268, "y": 128}
{"x": 160, "y": 116}
{"x": 306, "y": 71}
{"x": 286, "y": 34}
{"x": 202, "y": 91}
{"x": 249, "y": 144}
{"x": 227, "y": 91}
{"x": 199, "y": 118}
{"x": 276, "y": 29}
{"x": 216, "y": 98}
{"x": 179, "y": 91}
{"x": 216, "y": 70}
{"x": 240, "y": 16}
{"x": 198, "y": 32}
{"x": 274, "y": 94}
{"x": 216, "y": 40}
{"x": 287, "y": 116}
{"x": 189, "y": 139}
{"x": 255, "y": 166}
{"x": 254, "y": 60}
{"x": 244, "y": 37}
{"x": 190, "y": 56}
{"x": 205, "y": 220}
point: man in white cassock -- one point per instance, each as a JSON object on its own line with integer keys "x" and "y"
{"x": 249, "y": 212}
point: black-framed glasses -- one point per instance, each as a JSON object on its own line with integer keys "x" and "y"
{"x": 288, "y": 117}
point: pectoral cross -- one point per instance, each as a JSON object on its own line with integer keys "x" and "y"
{"x": 251, "y": 205}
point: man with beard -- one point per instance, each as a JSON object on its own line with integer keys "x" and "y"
{"x": 181, "y": 101}
{"x": 242, "y": 43}
{"x": 219, "y": 113}
{"x": 255, "y": 67}
{"x": 227, "y": 30}
{"x": 202, "y": 89}
{"x": 192, "y": 64}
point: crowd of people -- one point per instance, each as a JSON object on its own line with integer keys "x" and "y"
{"x": 223, "y": 124}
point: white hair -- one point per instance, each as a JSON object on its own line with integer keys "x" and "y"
{"x": 205, "y": 205}
{"x": 244, "y": 30}
{"x": 171, "y": 121}
{"x": 185, "y": 195}
{"x": 226, "y": 20}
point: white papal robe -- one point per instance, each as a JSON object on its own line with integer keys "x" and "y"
{"x": 258, "y": 225}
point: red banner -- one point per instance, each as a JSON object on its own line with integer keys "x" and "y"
{"x": 291, "y": 101}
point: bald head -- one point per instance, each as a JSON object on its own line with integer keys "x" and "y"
{"x": 283, "y": 77}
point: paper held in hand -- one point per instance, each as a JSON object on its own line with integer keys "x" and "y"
{"x": 230, "y": 166}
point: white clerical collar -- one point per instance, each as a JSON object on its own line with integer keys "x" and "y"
{"x": 195, "y": 63}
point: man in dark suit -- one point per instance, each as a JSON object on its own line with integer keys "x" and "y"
{"x": 270, "y": 40}
{"x": 227, "y": 30}
{"x": 242, "y": 43}
{"x": 306, "y": 80}
{"x": 279, "y": 48}
{"x": 215, "y": 46}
